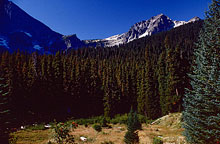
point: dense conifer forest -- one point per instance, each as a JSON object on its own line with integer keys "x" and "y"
{"x": 148, "y": 74}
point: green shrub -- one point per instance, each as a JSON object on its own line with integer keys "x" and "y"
{"x": 13, "y": 139}
{"x": 104, "y": 122}
{"x": 36, "y": 127}
{"x": 118, "y": 119}
{"x": 121, "y": 119}
{"x": 136, "y": 122}
{"x": 142, "y": 118}
{"x": 97, "y": 127}
{"x": 62, "y": 133}
{"x": 131, "y": 138}
{"x": 157, "y": 140}
{"x": 86, "y": 125}
{"x": 133, "y": 124}
{"x": 149, "y": 121}
{"x": 89, "y": 121}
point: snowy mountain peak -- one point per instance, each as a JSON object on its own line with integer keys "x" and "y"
{"x": 194, "y": 19}
{"x": 160, "y": 16}
{"x": 144, "y": 28}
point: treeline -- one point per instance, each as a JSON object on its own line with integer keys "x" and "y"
{"x": 148, "y": 74}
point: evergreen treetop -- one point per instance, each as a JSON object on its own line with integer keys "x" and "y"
{"x": 202, "y": 102}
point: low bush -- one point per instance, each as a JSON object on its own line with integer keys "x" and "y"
{"x": 97, "y": 127}
{"x": 142, "y": 118}
{"x": 149, "y": 121}
{"x": 157, "y": 140}
{"x": 62, "y": 133}
{"x": 104, "y": 122}
{"x": 13, "y": 139}
{"x": 36, "y": 127}
{"x": 121, "y": 119}
{"x": 118, "y": 119}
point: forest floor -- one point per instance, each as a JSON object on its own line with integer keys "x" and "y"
{"x": 168, "y": 128}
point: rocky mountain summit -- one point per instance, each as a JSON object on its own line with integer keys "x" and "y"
{"x": 141, "y": 29}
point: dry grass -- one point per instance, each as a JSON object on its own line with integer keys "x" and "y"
{"x": 115, "y": 134}
{"x": 32, "y": 137}
{"x": 168, "y": 131}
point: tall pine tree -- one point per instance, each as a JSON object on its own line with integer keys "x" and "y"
{"x": 133, "y": 124}
{"x": 202, "y": 102}
{"x": 4, "y": 112}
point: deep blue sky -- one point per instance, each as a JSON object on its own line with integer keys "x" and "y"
{"x": 91, "y": 19}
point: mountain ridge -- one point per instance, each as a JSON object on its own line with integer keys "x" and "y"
{"x": 18, "y": 30}
{"x": 141, "y": 29}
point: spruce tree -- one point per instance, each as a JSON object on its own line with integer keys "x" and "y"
{"x": 173, "y": 92}
{"x": 152, "y": 105}
{"x": 149, "y": 87}
{"x": 133, "y": 124}
{"x": 140, "y": 92}
{"x": 4, "y": 112}
{"x": 202, "y": 102}
{"x": 162, "y": 81}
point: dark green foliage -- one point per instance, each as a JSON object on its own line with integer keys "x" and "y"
{"x": 13, "y": 139}
{"x": 120, "y": 119}
{"x": 88, "y": 121}
{"x": 142, "y": 118}
{"x": 131, "y": 138}
{"x": 133, "y": 124}
{"x": 202, "y": 100}
{"x": 136, "y": 122}
{"x": 62, "y": 133}
{"x": 157, "y": 140}
{"x": 162, "y": 76}
{"x": 36, "y": 127}
{"x": 97, "y": 127}
{"x": 141, "y": 93}
{"x": 4, "y": 112}
{"x": 104, "y": 122}
{"x": 173, "y": 81}
{"x": 152, "y": 104}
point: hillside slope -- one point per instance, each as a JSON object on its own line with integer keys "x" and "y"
{"x": 18, "y": 30}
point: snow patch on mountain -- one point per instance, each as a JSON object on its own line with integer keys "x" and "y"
{"x": 194, "y": 19}
{"x": 28, "y": 34}
{"x": 179, "y": 23}
{"x": 37, "y": 47}
{"x": 4, "y": 43}
{"x": 115, "y": 40}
